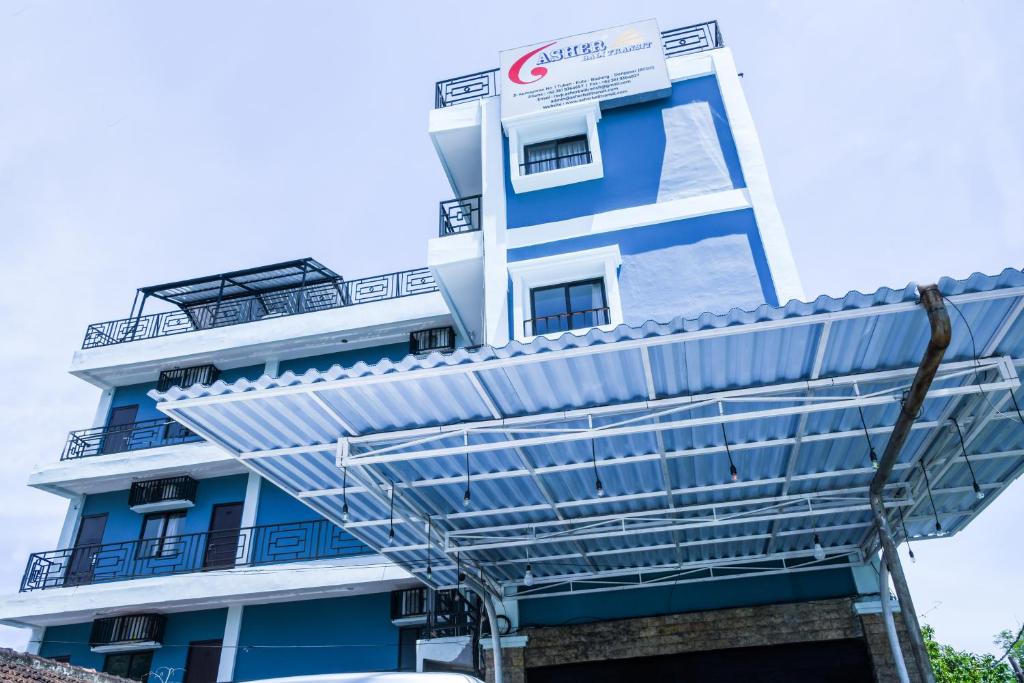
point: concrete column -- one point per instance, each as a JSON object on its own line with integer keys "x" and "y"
{"x": 252, "y": 500}
{"x": 103, "y": 409}
{"x": 229, "y": 644}
{"x": 35, "y": 640}
{"x": 71, "y": 518}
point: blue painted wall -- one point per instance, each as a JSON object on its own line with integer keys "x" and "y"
{"x": 135, "y": 394}
{"x": 706, "y": 264}
{"x": 73, "y": 640}
{"x": 346, "y": 359}
{"x": 277, "y": 506}
{"x": 632, "y": 140}
{"x": 358, "y": 629}
{"x": 182, "y": 629}
{"x": 687, "y": 598}
{"x": 125, "y": 525}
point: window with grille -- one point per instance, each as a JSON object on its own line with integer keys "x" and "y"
{"x": 561, "y": 153}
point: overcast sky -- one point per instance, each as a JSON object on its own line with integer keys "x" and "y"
{"x": 147, "y": 142}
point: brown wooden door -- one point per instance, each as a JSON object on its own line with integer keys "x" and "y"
{"x": 222, "y": 540}
{"x": 87, "y": 544}
{"x": 203, "y": 661}
{"x": 119, "y": 429}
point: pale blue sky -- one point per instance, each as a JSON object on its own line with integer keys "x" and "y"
{"x": 146, "y": 142}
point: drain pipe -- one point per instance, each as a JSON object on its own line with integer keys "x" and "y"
{"x": 938, "y": 320}
{"x": 890, "y": 623}
{"x": 492, "y": 619}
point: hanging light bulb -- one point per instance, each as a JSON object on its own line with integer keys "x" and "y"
{"x": 734, "y": 473}
{"x": 600, "y": 488}
{"x": 391, "y": 514}
{"x": 391, "y": 536}
{"x": 344, "y": 496}
{"x": 867, "y": 435}
{"x": 430, "y": 572}
{"x": 598, "y": 485}
{"x": 911, "y": 551}
{"x": 528, "y": 575}
{"x": 819, "y": 552}
{"x": 978, "y": 493}
{"x": 906, "y": 536}
{"x": 874, "y": 459}
{"x": 466, "y": 498}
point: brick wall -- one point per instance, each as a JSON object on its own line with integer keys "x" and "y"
{"x": 700, "y": 631}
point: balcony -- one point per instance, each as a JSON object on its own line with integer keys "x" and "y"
{"x": 444, "y": 613}
{"x": 163, "y": 431}
{"x": 436, "y": 339}
{"x": 127, "y": 632}
{"x": 457, "y": 216}
{"x": 676, "y": 42}
{"x": 188, "y": 553}
{"x": 245, "y": 296}
{"x": 562, "y": 322}
{"x": 157, "y": 495}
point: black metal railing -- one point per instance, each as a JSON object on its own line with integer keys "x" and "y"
{"x": 186, "y": 377}
{"x": 162, "y": 490}
{"x": 555, "y": 162}
{"x": 453, "y": 614}
{"x": 690, "y": 39}
{"x": 459, "y": 215}
{"x": 127, "y": 629}
{"x": 561, "y": 322}
{"x": 452, "y": 91}
{"x": 441, "y": 339}
{"x": 409, "y": 603}
{"x": 319, "y": 296}
{"x": 142, "y": 558}
{"x": 161, "y": 431}
{"x": 675, "y": 42}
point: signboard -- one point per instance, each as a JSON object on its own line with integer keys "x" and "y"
{"x": 616, "y": 66}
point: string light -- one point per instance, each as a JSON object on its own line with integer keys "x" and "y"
{"x": 928, "y": 487}
{"x": 598, "y": 486}
{"x": 867, "y": 435}
{"x": 528, "y": 574}
{"x": 344, "y": 496}
{"x": 906, "y": 536}
{"x": 819, "y": 552}
{"x": 733, "y": 472}
{"x": 963, "y": 449}
{"x": 466, "y": 496}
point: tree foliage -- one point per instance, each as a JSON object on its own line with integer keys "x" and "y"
{"x": 959, "y": 666}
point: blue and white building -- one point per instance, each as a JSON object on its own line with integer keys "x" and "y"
{"x": 599, "y": 415}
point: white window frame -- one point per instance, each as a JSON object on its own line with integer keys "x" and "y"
{"x": 579, "y": 119}
{"x": 602, "y": 262}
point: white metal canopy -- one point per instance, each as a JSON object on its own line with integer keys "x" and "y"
{"x": 697, "y": 450}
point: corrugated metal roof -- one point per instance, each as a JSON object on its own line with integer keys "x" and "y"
{"x": 776, "y": 391}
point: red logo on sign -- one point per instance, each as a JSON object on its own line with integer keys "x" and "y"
{"x": 538, "y": 71}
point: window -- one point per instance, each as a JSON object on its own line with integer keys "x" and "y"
{"x": 134, "y": 665}
{"x": 563, "y": 153}
{"x": 569, "y": 306}
{"x": 157, "y": 530}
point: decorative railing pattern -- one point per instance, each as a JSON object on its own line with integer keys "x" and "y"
{"x": 675, "y": 42}
{"x": 409, "y": 603}
{"x": 319, "y": 296}
{"x": 453, "y": 615}
{"x": 154, "y": 491}
{"x": 459, "y": 215}
{"x": 141, "y": 558}
{"x": 134, "y": 436}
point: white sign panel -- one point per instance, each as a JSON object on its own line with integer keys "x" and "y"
{"x": 615, "y": 66}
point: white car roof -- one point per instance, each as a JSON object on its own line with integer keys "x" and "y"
{"x": 376, "y": 677}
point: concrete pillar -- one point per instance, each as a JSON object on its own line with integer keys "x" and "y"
{"x": 229, "y": 644}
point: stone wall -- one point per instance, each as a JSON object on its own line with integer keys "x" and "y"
{"x": 700, "y": 631}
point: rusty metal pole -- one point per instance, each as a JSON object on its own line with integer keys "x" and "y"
{"x": 938, "y": 320}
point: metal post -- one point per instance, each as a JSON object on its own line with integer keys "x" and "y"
{"x": 492, "y": 619}
{"x": 938, "y": 320}
{"x": 890, "y": 623}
